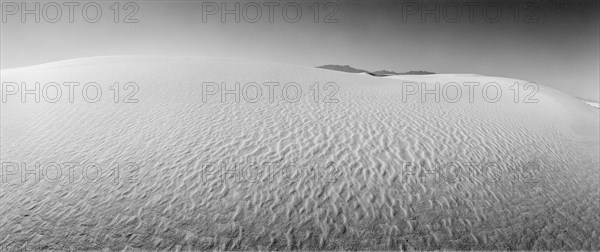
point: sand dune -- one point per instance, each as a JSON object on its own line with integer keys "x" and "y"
{"x": 354, "y": 169}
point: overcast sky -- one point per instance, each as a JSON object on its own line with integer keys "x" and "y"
{"x": 555, "y": 43}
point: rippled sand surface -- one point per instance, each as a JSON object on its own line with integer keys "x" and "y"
{"x": 359, "y": 173}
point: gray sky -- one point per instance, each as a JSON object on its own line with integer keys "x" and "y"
{"x": 555, "y": 43}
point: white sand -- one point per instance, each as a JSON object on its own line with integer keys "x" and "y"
{"x": 374, "y": 203}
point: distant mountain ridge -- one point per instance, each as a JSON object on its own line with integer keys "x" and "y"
{"x": 417, "y": 73}
{"x": 344, "y": 68}
{"x": 349, "y": 69}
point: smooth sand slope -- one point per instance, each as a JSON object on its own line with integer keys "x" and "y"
{"x": 338, "y": 177}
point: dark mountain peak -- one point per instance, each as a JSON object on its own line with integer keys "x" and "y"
{"x": 343, "y": 68}
{"x": 385, "y": 72}
{"x": 416, "y": 73}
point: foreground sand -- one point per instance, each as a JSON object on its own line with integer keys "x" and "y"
{"x": 338, "y": 177}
